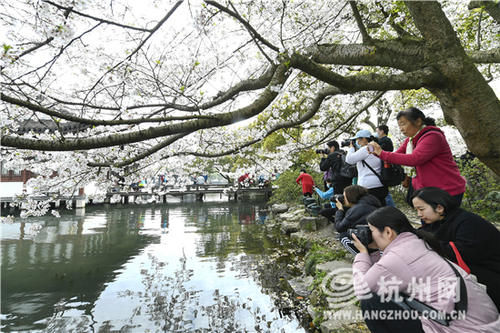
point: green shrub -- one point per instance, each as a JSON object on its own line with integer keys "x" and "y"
{"x": 288, "y": 190}
{"x": 319, "y": 254}
{"x": 482, "y": 195}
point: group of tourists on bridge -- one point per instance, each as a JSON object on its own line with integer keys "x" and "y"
{"x": 451, "y": 244}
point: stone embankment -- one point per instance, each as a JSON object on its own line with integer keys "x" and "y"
{"x": 325, "y": 285}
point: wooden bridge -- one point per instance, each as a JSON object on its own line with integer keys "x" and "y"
{"x": 158, "y": 195}
{"x": 199, "y": 190}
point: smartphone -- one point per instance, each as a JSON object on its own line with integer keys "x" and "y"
{"x": 371, "y": 149}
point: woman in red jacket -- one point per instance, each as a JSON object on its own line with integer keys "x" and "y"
{"x": 426, "y": 155}
{"x": 307, "y": 183}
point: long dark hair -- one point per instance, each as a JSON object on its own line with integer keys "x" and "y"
{"x": 393, "y": 218}
{"x": 435, "y": 196}
{"x": 413, "y": 114}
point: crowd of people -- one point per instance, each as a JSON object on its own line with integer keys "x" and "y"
{"x": 451, "y": 244}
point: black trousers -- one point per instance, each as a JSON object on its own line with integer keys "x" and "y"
{"x": 380, "y": 193}
{"x": 329, "y": 213}
{"x": 389, "y": 325}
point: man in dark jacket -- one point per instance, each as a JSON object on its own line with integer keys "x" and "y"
{"x": 383, "y": 140}
{"x": 333, "y": 162}
{"x": 386, "y": 144}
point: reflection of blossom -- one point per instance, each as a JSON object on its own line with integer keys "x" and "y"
{"x": 34, "y": 229}
{"x": 7, "y": 219}
{"x": 55, "y": 213}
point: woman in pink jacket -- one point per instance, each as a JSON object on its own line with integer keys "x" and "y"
{"x": 426, "y": 155}
{"x": 409, "y": 270}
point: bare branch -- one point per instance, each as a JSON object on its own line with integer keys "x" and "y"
{"x": 359, "y": 21}
{"x": 151, "y": 32}
{"x": 34, "y": 48}
{"x": 71, "y": 10}
{"x": 95, "y": 122}
{"x": 245, "y": 23}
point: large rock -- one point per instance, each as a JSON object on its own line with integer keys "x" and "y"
{"x": 288, "y": 227}
{"x": 309, "y": 223}
{"x": 340, "y": 319}
{"x": 279, "y": 208}
{"x": 336, "y": 265}
{"x": 301, "y": 284}
{"x": 294, "y": 215}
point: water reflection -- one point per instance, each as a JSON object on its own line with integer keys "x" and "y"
{"x": 176, "y": 268}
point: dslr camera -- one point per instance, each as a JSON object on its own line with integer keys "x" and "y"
{"x": 325, "y": 151}
{"x": 363, "y": 233}
{"x": 347, "y": 143}
{"x": 340, "y": 197}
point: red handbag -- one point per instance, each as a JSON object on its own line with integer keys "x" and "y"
{"x": 460, "y": 261}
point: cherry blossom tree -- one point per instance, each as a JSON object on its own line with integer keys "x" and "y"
{"x": 101, "y": 91}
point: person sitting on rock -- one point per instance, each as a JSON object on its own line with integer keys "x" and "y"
{"x": 408, "y": 286}
{"x": 360, "y": 204}
{"x": 465, "y": 238}
{"x": 329, "y": 208}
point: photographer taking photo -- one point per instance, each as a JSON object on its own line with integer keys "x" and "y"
{"x": 368, "y": 165}
{"x": 332, "y": 163}
{"x": 412, "y": 275}
{"x": 359, "y": 204}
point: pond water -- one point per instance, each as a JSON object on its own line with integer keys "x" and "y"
{"x": 189, "y": 267}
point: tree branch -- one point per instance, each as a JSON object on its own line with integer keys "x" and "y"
{"x": 349, "y": 120}
{"x": 396, "y": 54}
{"x": 259, "y": 104}
{"x": 411, "y": 80}
{"x": 485, "y": 56}
{"x": 34, "y": 48}
{"x": 142, "y": 155}
{"x": 313, "y": 109}
{"x": 71, "y": 10}
{"x": 492, "y": 7}
{"x": 96, "y": 122}
{"x": 245, "y": 23}
{"x": 141, "y": 44}
{"x": 359, "y": 21}
{"x": 245, "y": 85}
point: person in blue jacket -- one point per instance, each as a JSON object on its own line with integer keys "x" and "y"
{"x": 329, "y": 209}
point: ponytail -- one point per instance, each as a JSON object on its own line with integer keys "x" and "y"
{"x": 393, "y": 218}
{"x": 430, "y": 241}
{"x": 428, "y": 121}
{"x": 413, "y": 114}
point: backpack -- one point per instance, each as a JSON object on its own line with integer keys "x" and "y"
{"x": 391, "y": 174}
{"x": 347, "y": 170}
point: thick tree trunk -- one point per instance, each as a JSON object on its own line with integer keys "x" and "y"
{"x": 468, "y": 102}
{"x": 471, "y": 105}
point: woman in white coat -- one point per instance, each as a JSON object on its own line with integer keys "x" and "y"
{"x": 364, "y": 160}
